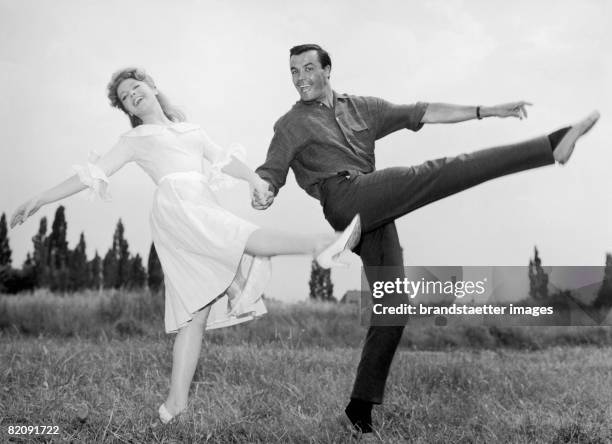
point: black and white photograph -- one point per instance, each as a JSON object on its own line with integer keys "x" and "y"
{"x": 322, "y": 222}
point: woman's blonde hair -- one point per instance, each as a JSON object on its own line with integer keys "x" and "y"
{"x": 170, "y": 111}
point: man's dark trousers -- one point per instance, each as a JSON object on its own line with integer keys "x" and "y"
{"x": 381, "y": 197}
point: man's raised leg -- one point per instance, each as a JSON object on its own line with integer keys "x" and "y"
{"x": 382, "y": 196}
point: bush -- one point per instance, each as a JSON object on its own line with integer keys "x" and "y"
{"x": 89, "y": 313}
{"x": 116, "y": 313}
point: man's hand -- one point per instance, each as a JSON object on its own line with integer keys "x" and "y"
{"x": 261, "y": 195}
{"x": 512, "y": 109}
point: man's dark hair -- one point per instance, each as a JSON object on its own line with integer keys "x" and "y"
{"x": 324, "y": 58}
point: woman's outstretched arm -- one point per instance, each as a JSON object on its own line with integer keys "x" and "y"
{"x": 109, "y": 164}
{"x": 238, "y": 169}
{"x": 233, "y": 166}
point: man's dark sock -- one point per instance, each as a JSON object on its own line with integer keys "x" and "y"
{"x": 555, "y": 138}
{"x": 359, "y": 412}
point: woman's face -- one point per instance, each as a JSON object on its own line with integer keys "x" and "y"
{"x": 136, "y": 96}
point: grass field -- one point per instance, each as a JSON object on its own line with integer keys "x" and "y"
{"x": 281, "y": 394}
{"x": 286, "y": 377}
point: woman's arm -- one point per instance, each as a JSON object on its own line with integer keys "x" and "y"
{"x": 233, "y": 166}
{"x": 118, "y": 156}
{"x": 238, "y": 169}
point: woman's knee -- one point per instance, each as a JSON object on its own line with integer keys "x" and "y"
{"x": 200, "y": 317}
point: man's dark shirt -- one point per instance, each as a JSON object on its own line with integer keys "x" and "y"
{"x": 318, "y": 142}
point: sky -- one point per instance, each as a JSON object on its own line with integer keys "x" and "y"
{"x": 225, "y": 64}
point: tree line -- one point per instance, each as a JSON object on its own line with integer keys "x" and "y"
{"x": 539, "y": 288}
{"x": 52, "y": 264}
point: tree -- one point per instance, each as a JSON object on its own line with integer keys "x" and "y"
{"x": 5, "y": 256}
{"x": 123, "y": 255}
{"x": 137, "y": 277}
{"x": 96, "y": 278}
{"x": 5, "y": 249}
{"x": 59, "y": 252}
{"x": 78, "y": 270}
{"x": 110, "y": 273}
{"x": 538, "y": 279}
{"x": 116, "y": 264}
{"x": 40, "y": 257}
{"x": 58, "y": 245}
{"x": 28, "y": 273}
{"x": 604, "y": 295}
{"x": 321, "y": 287}
{"x": 155, "y": 278}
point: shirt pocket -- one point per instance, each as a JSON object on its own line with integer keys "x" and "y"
{"x": 357, "y": 133}
{"x": 355, "y": 122}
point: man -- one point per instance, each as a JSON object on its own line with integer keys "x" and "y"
{"x": 328, "y": 140}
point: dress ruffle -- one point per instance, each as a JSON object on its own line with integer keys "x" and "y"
{"x": 94, "y": 178}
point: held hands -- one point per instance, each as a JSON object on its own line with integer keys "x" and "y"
{"x": 261, "y": 195}
{"x": 512, "y": 109}
{"x": 25, "y": 210}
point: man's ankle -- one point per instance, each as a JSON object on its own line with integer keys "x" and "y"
{"x": 359, "y": 412}
{"x": 555, "y": 137}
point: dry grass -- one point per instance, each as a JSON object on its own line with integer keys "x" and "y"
{"x": 280, "y": 394}
{"x": 286, "y": 377}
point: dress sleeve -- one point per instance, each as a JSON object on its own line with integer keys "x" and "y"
{"x": 219, "y": 158}
{"x": 94, "y": 174}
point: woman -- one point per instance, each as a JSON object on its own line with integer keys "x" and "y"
{"x": 215, "y": 264}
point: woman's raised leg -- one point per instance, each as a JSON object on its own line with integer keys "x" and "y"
{"x": 270, "y": 242}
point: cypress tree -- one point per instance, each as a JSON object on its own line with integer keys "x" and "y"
{"x": 59, "y": 252}
{"x": 95, "y": 272}
{"x": 78, "y": 266}
{"x": 109, "y": 270}
{"x": 604, "y": 295}
{"x": 116, "y": 264}
{"x": 137, "y": 275}
{"x": 123, "y": 257}
{"x": 538, "y": 278}
{"x": 155, "y": 278}
{"x": 5, "y": 249}
{"x": 321, "y": 287}
{"x": 40, "y": 257}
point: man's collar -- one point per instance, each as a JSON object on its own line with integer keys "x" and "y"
{"x": 336, "y": 97}
{"x": 340, "y": 96}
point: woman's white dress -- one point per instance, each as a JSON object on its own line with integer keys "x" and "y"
{"x": 200, "y": 244}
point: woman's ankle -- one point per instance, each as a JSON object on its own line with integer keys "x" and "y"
{"x": 174, "y": 407}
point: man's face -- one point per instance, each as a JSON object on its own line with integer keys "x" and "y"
{"x": 310, "y": 79}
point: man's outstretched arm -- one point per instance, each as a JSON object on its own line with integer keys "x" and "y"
{"x": 448, "y": 113}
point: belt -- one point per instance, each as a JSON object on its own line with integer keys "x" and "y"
{"x": 193, "y": 175}
{"x": 348, "y": 174}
